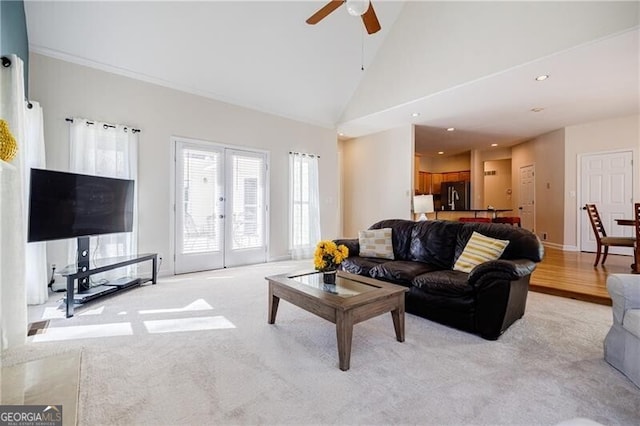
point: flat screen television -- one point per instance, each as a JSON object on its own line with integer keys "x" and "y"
{"x": 70, "y": 205}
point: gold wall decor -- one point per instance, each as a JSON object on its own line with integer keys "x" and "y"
{"x": 8, "y": 144}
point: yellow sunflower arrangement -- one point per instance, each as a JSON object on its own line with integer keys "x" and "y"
{"x": 329, "y": 255}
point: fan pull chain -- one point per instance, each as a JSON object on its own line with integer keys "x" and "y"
{"x": 362, "y": 53}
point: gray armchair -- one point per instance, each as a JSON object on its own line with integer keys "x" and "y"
{"x": 622, "y": 344}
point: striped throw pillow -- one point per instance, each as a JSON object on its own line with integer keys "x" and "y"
{"x": 376, "y": 243}
{"x": 479, "y": 249}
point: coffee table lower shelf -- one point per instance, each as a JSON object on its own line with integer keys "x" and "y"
{"x": 364, "y": 298}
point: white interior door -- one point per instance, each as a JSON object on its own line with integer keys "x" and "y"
{"x": 607, "y": 181}
{"x": 199, "y": 208}
{"x": 527, "y": 197}
{"x": 220, "y": 210}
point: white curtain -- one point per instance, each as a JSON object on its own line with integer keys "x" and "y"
{"x": 13, "y": 294}
{"x": 34, "y": 157}
{"x": 104, "y": 149}
{"x": 304, "y": 205}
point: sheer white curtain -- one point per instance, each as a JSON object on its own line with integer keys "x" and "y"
{"x": 304, "y": 205}
{"x": 104, "y": 149}
{"x": 13, "y": 294}
{"x": 34, "y": 156}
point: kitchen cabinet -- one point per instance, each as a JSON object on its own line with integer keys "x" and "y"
{"x": 436, "y": 181}
{"x": 438, "y": 178}
{"x": 451, "y": 177}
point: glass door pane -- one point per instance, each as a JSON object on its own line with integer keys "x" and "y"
{"x": 199, "y": 207}
{"x": 245, "y": 207}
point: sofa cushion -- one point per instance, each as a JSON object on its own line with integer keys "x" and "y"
{"x": 376, "y": 243}
{"x": 360, "y": 265}
{"x": 401, "y": 235}
{"x": 631, "y": 322}
{"x": 434, "y": 242}
{"x": 443, "y": 282}
{"x": 523, "y": 243}
{"x": 479, "y": 249}
{"x": 400, "y": 271}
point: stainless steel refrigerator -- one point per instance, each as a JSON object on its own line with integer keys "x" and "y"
{"x": 455, "y": 195}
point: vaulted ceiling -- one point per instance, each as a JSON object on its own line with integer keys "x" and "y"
{"x": 467, "y": 65}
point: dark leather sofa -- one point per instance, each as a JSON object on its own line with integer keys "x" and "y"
{"x": 485, "y": 301}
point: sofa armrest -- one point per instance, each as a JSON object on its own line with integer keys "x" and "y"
{"x": 353, "y": 244}
{"x": 624, "y": 290}
{"x": 506, "y": 269}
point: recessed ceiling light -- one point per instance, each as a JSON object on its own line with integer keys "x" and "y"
{"x": 415, "y": 114}
{"x": 440, "y": 152}
{"x": 542, "y": 77}
{"x": 494, "y": 144}
{"x": 537, "y": 109}
{"x": 340, "y": 134}
{"x": 451, "y": 129}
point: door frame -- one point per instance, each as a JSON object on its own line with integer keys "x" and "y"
{"x": 172, "y": 192}
{"x": 579, "y": 184}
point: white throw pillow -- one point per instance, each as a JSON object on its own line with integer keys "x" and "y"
{"x": 376, "y": 243}
{"x": 479, "y": 249}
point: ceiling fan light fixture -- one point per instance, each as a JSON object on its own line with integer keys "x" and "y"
{"x": 357, "y": 7}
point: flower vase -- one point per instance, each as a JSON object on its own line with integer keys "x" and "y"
{"x": 329, "y": 277}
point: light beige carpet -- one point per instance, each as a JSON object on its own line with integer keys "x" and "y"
{"x": 197, "y": 349}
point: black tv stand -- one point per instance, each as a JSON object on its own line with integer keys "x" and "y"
{"x": 82, "y": 271}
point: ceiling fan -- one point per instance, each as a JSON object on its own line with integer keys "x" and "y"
{"x": 362, "y": 8}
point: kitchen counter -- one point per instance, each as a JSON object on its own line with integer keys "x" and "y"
{"x": 467, "y": 213}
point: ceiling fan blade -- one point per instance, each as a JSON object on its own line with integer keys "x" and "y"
{"x": 324, "y": 11}
{"x": 370, "y": 20}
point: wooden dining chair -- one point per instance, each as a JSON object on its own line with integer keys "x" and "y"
{"x": 636, "y": 250}
{"x": 602, "y": 240}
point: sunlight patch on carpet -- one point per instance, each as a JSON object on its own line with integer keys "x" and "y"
{"x": 84, "y": 332}
{"x": 52, "y": 313}
{"x": 96, "y": 311}
{"x": 198, "y": 305}
{"x": 188, "y": 324}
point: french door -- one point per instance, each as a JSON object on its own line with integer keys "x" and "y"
{"x": 220, "y": 206}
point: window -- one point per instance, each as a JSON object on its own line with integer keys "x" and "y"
{"x": 304, "y": 204}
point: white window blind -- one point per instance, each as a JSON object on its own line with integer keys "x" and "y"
{"x": 201, "y": 190}
{"x": 247, "y": 187}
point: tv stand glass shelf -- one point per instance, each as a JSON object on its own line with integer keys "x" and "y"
{"x": 86, "y": 292}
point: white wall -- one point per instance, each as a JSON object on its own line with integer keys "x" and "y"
{"x": 378, "y": 176}
{"x": 67, "y": 90}
{"x": 481, "y": 38}
{"x": 599, "y": 136}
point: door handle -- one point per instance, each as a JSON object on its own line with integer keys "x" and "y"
{"x": 221, "y": 216}
{"x": 584, "y": 208}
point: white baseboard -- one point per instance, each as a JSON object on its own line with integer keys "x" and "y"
{"x": 279, "y": 258}
{"x": 559, "y": 246}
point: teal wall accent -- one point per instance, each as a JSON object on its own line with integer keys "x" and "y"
{"x": 13, "y": 34}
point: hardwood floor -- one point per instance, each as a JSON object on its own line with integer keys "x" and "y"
{"x": 572, "y": 274}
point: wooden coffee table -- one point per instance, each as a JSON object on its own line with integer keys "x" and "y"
{"x": 351, "y": 300}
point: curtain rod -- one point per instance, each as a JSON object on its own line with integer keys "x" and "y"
{"x": 303, "y": 154}
{"x": 6, "y": 63}
{"x": 106, "y": 126}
